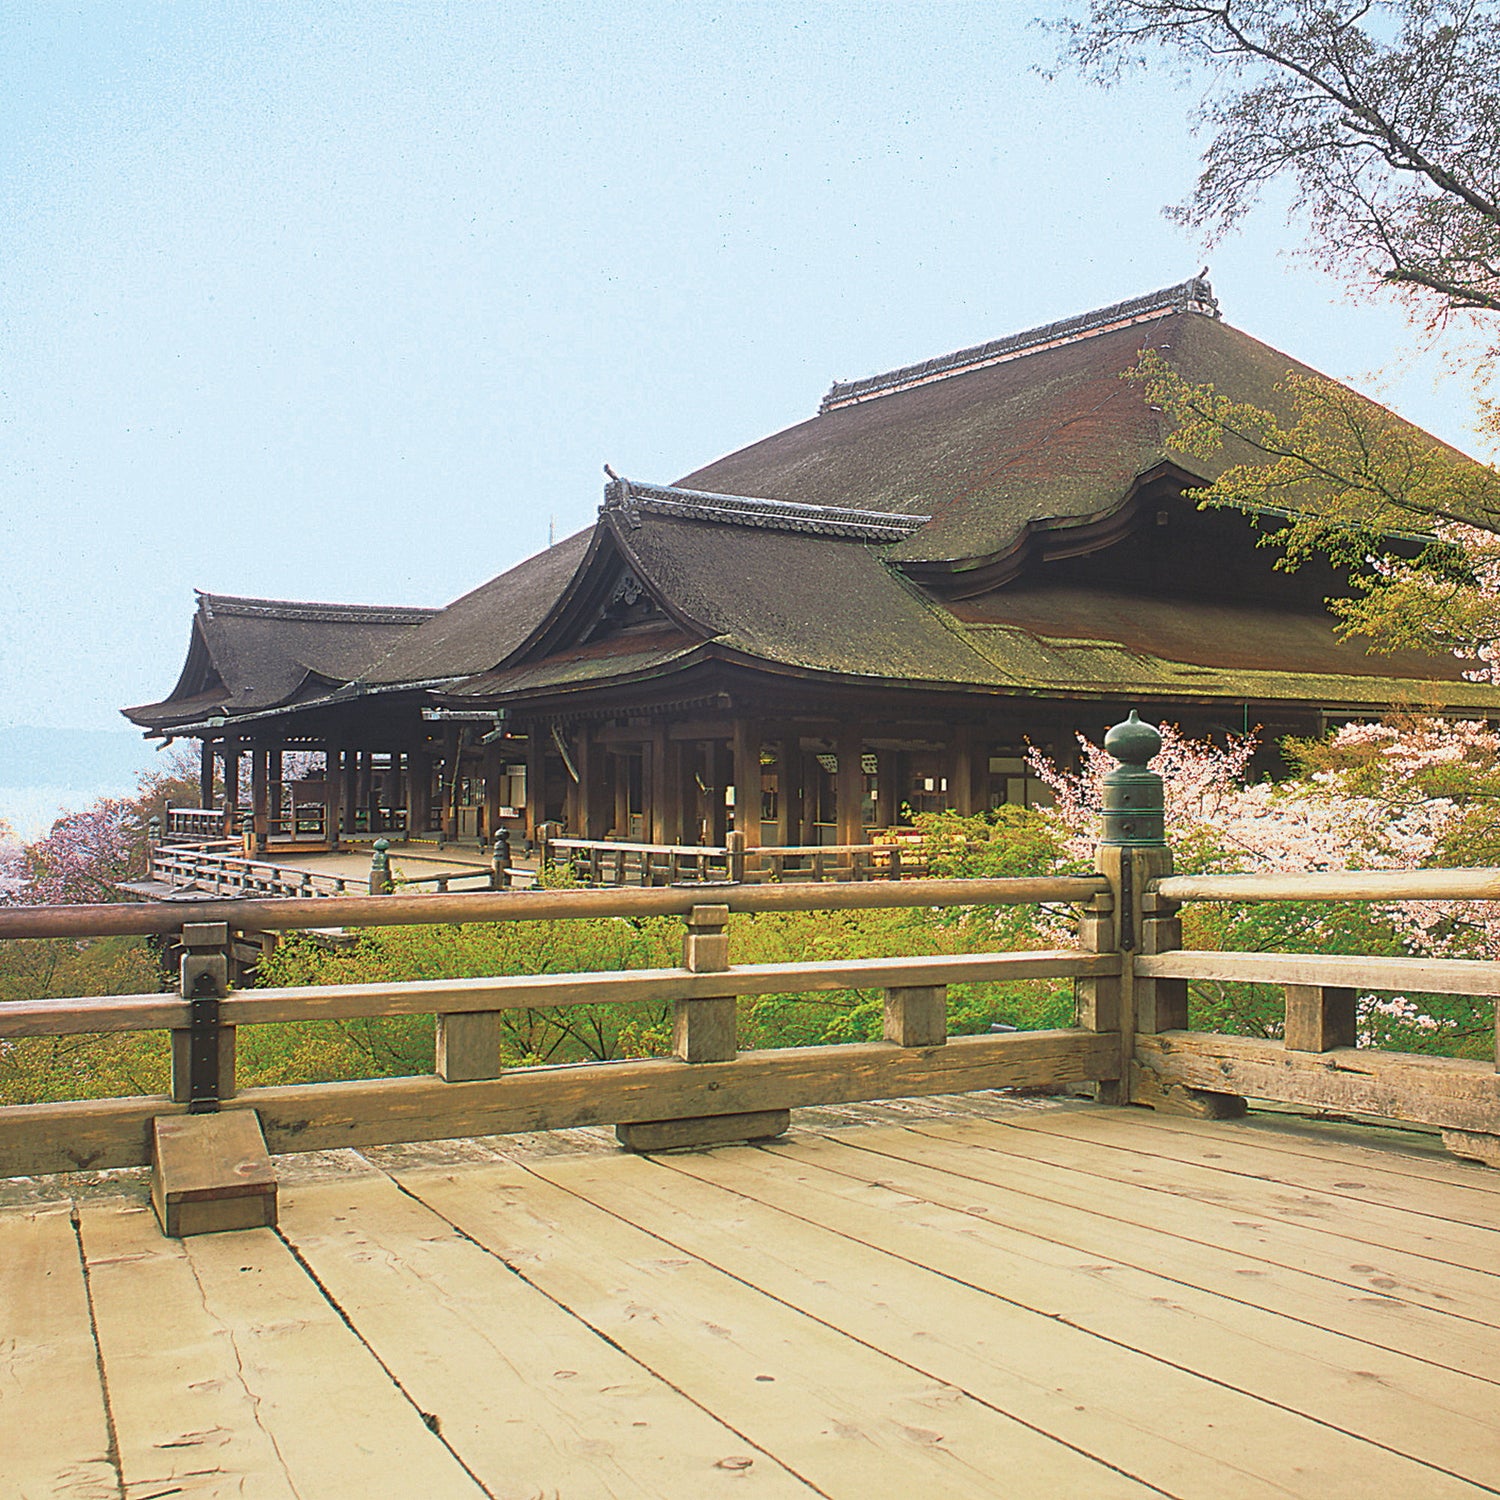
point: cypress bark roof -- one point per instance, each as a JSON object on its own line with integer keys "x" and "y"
{"x": 248, "y": 655}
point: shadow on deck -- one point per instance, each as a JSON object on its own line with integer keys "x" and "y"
{"x": 952, "y": 1297}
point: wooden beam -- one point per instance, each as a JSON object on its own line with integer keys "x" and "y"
{"x": 116, "y": 919}
{"x": 657, "y": 783}
{"x": 1479, "y": 884}
{"x": 98, "y": 1134}
{"x": 1439, "y": 976}
{"x": 342, "y": 1002}
{"x": 1448, "y": 1092}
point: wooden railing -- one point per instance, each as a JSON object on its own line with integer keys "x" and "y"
{"x": 215, "y": 870}
{"x": 707, "y": 1080}
{"x": 1132, "y": 1036}
{"x": 199, "y": 823}
{"x": 612, "y": 862}
{"x": 1319, "y": 1064}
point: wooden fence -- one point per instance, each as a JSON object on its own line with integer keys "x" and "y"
{"x": 616, "y": 862}
{"x": 1130, "y": 972}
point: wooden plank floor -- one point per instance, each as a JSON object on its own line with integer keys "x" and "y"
{"x": 947, "y": 1298}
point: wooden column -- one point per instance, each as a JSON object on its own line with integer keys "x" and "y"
{"x": 447, "y": 807}
{"x": 717, "y": 773}
{"x": 851, "y": 784}
{"x": 659, "y": 789}
{"x": 260, "y": 799}
{"x": 807, "y": 804}
{"x": 349, "y": 796}
{"x": 333, "y": 792}
{"x": 961, "y": 757}
{"x": 745, "y": 747}
{"x": 536, "y": 779}
{"x": 231, "y": 773}
{"x": 418, "y": 792}
{"x": 206, "y": 774}
{"x": 887, "y": 798}
{"x": 274, "y": 771}
{"x": 492, "y": 766}
{"x": 622, "y": 794}
{"x": 583, "y": 816}
{"x": 788, "y": 796}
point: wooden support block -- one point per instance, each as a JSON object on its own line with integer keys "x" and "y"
{"x": 708, "y": 1130}
{"x": 1319, "y": 1017}
{"x": 1474, "y": 1145}
{"x": 468, "y": 1046}
{"x": 917, "y": 1016}
{"x": 210, "y": 1173}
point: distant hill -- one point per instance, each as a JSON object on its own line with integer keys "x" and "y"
{"x": 74, "y": 759}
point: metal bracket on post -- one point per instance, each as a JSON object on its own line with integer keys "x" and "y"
{"x": 204, "y": 982}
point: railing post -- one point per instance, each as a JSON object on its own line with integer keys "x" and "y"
{"x": 380, "y": 869}
{"x": 1132, "y": 854}
{"x": 1319, "y": 1018}
{"x": 704, "y": 1030}
{"x": 917, "y": 1016}
{"x": 203, "y": 1052}
{"x": 735, "y": 844}
{"x": 500, "y": 862}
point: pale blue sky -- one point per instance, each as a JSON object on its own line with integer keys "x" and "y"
{"x": 346, "y": 301}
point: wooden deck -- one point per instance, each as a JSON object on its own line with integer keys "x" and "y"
{"x": 939, "y": 1299}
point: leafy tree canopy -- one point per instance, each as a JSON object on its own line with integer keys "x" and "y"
{"x": 1383, "y": 115}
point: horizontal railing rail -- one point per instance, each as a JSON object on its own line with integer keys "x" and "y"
{"x": 1481, "y": 883}
{"x": 143, "y": 920}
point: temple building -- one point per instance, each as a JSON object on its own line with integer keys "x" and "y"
{"x": 868, "y": 615}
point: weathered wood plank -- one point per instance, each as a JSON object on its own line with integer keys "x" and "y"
{"x": 341, "y": 1002}
{"x": 1441, "y": 976}
{"x": 533, "y": 906}
{"x": 230, "y": 1374}
{"x": 533, "y": 1401}
{"x": 848, "y": 1419}
{"x": 1444, "y": 1091}
{"x": 1393, "y": 1149}
{"x": 711, "y": 1130}
{"x": 1450, "y": 1240}
{"x": 1153, "y": 1232}
{"x": 313, "y": 1117}
{"x": 54, "y": 1438}
{"x": 1273, "y": 1405}
{"x": 1284, "y": 1229}
{"x": 1476, "y": 884}
{"x": 1453, "y": 1198}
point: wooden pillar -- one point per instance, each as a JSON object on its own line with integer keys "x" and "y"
{"x": 333, "y": 784}
{"x": 887, "y": 793}
{"x": 808, "y": 774}
{"x": 961, "y": 757}
{"x": 275, "y": 775}
{"x": 492, "y": 769}
{"x": 231, "y": 773}
{"x": 851, "y": 784}
{"x": 745, "y": 748}
{"x": 206, "y": 774}
{"x": 260, "y": 799}
{"x": 581, "y": 792}
{"x": 418, "y": 792}
{"x": 622, "y": 763}
{"x": 787, "y": 795}
{"x": 349, "y": 796}
{"x": 658, "y": 794}
{"x": 452, "y": 757}
{"x": 536, "y": 779}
